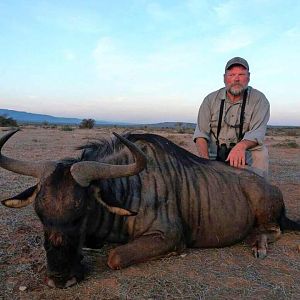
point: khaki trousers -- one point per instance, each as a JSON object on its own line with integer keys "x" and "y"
{"x": 257, "y": 160}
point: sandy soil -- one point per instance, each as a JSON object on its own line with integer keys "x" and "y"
{"x": 227, "y": 273}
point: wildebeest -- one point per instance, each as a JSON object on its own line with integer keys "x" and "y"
{"x": 151, "y": 196}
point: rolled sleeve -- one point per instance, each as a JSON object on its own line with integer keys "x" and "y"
{"x": 203, "y": 122}
{"x": 258, "y": 123}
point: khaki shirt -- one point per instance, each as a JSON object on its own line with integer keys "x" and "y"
{"x": 257, "y": 114}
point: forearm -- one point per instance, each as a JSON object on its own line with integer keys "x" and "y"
{"x": 202, "y": 147}
{"x": 246, "y": 144}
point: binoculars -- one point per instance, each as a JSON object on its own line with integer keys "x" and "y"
{"x": 223, "y": 152}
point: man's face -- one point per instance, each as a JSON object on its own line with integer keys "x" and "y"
{"x": 236, "y": 80}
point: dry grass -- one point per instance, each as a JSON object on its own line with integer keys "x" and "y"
{"x": 287, "y": 144}
{"x": 226, "y": 273}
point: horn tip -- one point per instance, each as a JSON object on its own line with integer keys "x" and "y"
{"x": 3, "y": 202}
{"x": 6, "y": 136}
{"x": 15, "y": 130}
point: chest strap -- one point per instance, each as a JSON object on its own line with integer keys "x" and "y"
{"x": 220, "y": 120}
{"x": 242, "y": 117}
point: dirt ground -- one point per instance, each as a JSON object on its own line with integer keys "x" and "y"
{"x": 227, "y": 273}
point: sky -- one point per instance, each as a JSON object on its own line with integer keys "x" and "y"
{"x": 145, "y": 61}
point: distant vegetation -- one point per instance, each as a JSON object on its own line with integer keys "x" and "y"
{"x": 8, "y": 122}
{"x": 287, "y": 144}
{"x": 182, "y": 128}
{"x": 87, "y": 124}
{"x": 283, "y": 131}
{"x": 66, "y": 128}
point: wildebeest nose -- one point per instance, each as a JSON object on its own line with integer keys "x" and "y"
{"x": 70, "y": 282}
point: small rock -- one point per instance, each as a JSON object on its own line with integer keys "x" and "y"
{"x": 183, "y": 255}
{"x": 22, "y": 288}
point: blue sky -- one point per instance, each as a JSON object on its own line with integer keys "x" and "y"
{"x": 145, "y": 61}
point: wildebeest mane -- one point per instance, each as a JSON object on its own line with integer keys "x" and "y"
{"x": 101, "y": 148}
{"x": 169, "y": 147}
{"x": 107, "y": 146}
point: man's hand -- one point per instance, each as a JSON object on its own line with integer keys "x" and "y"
{"x": 202, "y": 147}
{"x": 237, "y": 155}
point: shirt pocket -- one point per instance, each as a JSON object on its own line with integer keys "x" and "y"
{"x": 247, "y": 118}
{"x": 214, "y": 120}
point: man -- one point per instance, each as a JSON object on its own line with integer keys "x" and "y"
{"x": 234, "y": 118}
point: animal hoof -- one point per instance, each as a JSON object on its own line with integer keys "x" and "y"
{"x": 51, "y": 283}
{"x": 259, "y": 253}
{"x": 70, "y": 282}
{"x": 114, "y": 260}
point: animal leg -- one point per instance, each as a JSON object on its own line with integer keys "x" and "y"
{"x": 141, "y": 249}
{"x": 265, "y": 234}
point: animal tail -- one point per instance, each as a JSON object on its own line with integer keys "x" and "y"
{"x": 286, "y": 224}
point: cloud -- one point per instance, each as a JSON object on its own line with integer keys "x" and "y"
{"x": 234, "y": 39}
{"x": 160, "y": 72}
{"x": 69, "y": 55}
{"x": 32, "y": 97}
{"x": 198, "y": 7}
{"x": 70, "y": 18}
{"x": 226, "y": 11}
{"x": 112, "y": 62}
{"x": 156, "y": 11}
{"x": 293, "y": 33}
{"x": 235, "y": 12}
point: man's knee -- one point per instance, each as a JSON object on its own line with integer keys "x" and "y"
{"x": 258, "y": 160}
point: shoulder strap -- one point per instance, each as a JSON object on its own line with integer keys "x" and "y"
{"x": 242, "y": 115}
{"x": 220, "y": 120}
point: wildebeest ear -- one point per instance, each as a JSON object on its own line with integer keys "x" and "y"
{"x": 23, "y": 199}
{"x": 112, "y": 205}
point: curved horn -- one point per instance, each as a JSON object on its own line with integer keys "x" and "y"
{"x": 34, "y": 169}
{"x": 86, "y": 171}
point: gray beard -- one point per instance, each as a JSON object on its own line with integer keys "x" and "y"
{"x": 236, "y": 91}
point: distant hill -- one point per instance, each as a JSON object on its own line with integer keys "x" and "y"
{"x": 25, "y": 117}
{"x": 31, "y": 118}
{"x": 172, "y": 125}
{"x": 162, "y": 125}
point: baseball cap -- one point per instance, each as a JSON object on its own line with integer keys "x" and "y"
{"x": 237, "y": 61}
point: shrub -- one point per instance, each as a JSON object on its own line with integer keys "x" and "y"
{"x": 293, "y": 132}
{"x": 292, "y": 144}
{"x": 7, "y": 121}
{"x": 66, "y": 128}
{"x": 287, "y": 144}
{"x": 87, "y": 123}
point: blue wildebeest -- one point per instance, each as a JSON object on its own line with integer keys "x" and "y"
{"x": 152, "y": 196}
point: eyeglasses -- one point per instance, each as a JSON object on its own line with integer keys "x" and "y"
{"x": 228, "y": 121}
{"x": 234, "y": 75}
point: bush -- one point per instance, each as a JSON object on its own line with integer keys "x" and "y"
{"x": 293, "y": 132}
{"x": 182, "y": 128}
{"x": 287, "y": 144}
{"x": 66, "y": 128}
{"x": 87, "y": 123}
{"x": 7, "y": 122}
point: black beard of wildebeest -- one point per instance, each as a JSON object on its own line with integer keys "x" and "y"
{"x": 152, "y": 196}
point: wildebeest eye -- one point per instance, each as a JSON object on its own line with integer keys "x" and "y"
{"x": 75, "y": 222}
